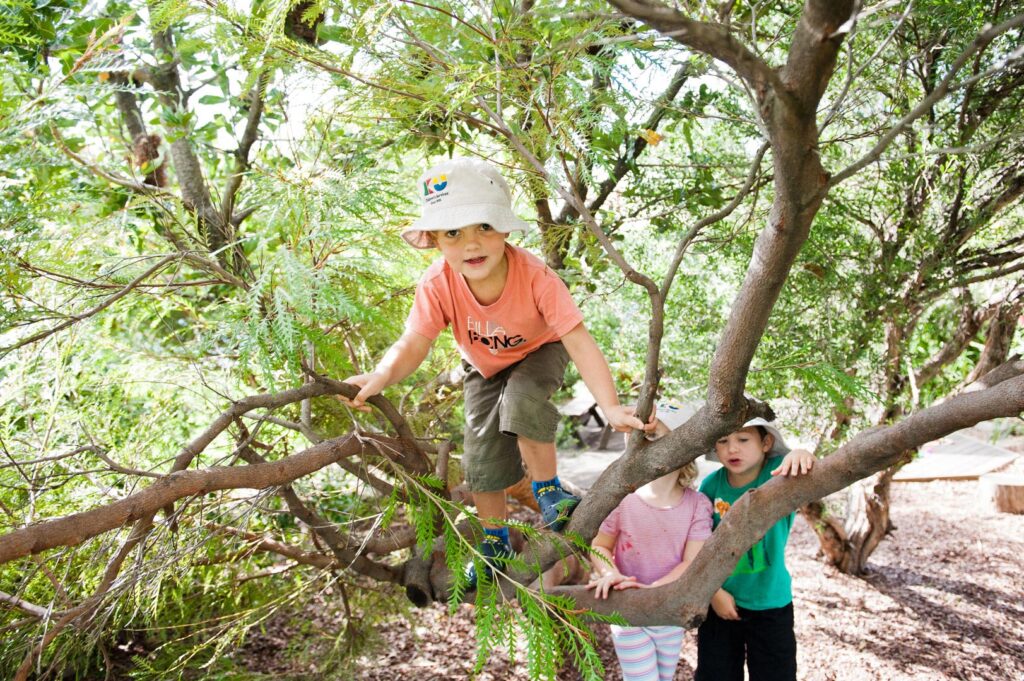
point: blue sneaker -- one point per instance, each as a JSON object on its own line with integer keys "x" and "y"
{"x": 556, "y": 505}
{"x": 496, "y": 554}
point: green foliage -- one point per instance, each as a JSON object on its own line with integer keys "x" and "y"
{"x": 551, "y": 628}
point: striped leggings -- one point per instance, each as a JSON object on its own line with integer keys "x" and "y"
{"x": 647, "y": 653}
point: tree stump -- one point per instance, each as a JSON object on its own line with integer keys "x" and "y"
{"x": 1004, "y": 491}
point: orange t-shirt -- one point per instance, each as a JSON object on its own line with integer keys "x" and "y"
{"x": 534, "y": 308}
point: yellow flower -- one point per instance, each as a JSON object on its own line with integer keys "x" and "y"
{"x": 722, "y": 507}
{"x": 651, "y": 137}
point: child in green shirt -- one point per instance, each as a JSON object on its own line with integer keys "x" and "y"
{"x": 751, "y": 616}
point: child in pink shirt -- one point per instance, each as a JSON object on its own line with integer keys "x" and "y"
{"x": 515, "y": 325}
{"x": 649, "y": 540}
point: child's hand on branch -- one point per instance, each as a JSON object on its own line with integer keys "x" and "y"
{"x": 725, "y": 605}
{"x": 370, "y": 384}
{"x": 797, "y": 462}
{"x": 622, "y": 418}
{"x": 605, "y": 583}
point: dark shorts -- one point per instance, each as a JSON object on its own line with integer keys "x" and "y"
{"x": 763, "y": 637}
{"x": 515, "y": 402}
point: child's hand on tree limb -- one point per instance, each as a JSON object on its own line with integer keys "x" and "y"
{"x": 797, "y": 462}
{"x": 613, "y": 580}
{"x": 622, "y": 418}
{"x": 370, "y": 384}
{"x": 724, "y": 605}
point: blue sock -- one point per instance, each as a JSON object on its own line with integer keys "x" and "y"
{"x": 499, "y": 532}
{"x": 541, "y": 486}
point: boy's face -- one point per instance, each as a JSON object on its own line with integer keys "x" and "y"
{"x": 743, "y": 452}
{"x": 476, "y": 252}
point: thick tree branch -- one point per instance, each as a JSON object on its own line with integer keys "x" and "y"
{"x": 971, "y": 321}
{"x": 788, "y": 108}
{"x": 812, "y": 53}
{"x": 684, "y": 602}
{"x": 715, "y": 40}
{"x": 76, "y": 528}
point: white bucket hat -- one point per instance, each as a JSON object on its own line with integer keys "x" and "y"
{"x": 460, "y": 192}
{"x": 673, "y": 416}
{"x": 779, "y": 446}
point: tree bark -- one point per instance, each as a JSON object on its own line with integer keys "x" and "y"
{"x": 849, "y": 542}
{"x": 195, "y": 194}
{"x": 998, "y": 340}
{"x": 684, "y": 602}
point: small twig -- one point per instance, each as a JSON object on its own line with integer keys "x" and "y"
{"x": 47, "y": 459}
{"x": 26, "y": 607}
{"x": 981, "y": 41}
{"x": 99, "y": 308}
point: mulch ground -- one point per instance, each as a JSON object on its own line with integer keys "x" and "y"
{"x": 943, "y": 599}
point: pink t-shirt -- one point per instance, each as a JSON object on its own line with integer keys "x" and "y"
{"x": 649, "y": 541}
{"x": 534, "y": 308}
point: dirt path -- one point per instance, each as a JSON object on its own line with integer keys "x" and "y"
{"x": 944, "y": 599}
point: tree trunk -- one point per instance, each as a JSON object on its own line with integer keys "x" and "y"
{"x": 848, "y": 543}
{"x": 1003, "y": 492}
{"x": 998, "y": 340}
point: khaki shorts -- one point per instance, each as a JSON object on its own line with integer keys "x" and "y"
{"x": 514, "y": 402}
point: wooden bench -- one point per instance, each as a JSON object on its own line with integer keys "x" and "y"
{"x": 580, "y": 410}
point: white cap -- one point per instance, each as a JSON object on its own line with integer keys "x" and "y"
{"x": 673, "y": 416}
{"x": 779, "y": 446}
{"x": 460, "y": 192}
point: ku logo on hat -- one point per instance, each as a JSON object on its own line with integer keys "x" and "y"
{"x": 434, "y": 184}
{"x": 457, "y": 193}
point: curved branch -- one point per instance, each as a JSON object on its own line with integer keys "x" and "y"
{"x": 345, "y": 552}
{"x": 684, "y": 602}
{"x": 26, "y": 607}
{"x": 76, "y": 528}
{"x": 712, "y": 39}
{"x": 259, "y": 542}
{"x": 237, "y": 409}
{"x": 970, "y": 322}
{"x": 422, "y": 464}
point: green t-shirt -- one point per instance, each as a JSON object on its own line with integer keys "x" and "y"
{"x": 760, "y": 580}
